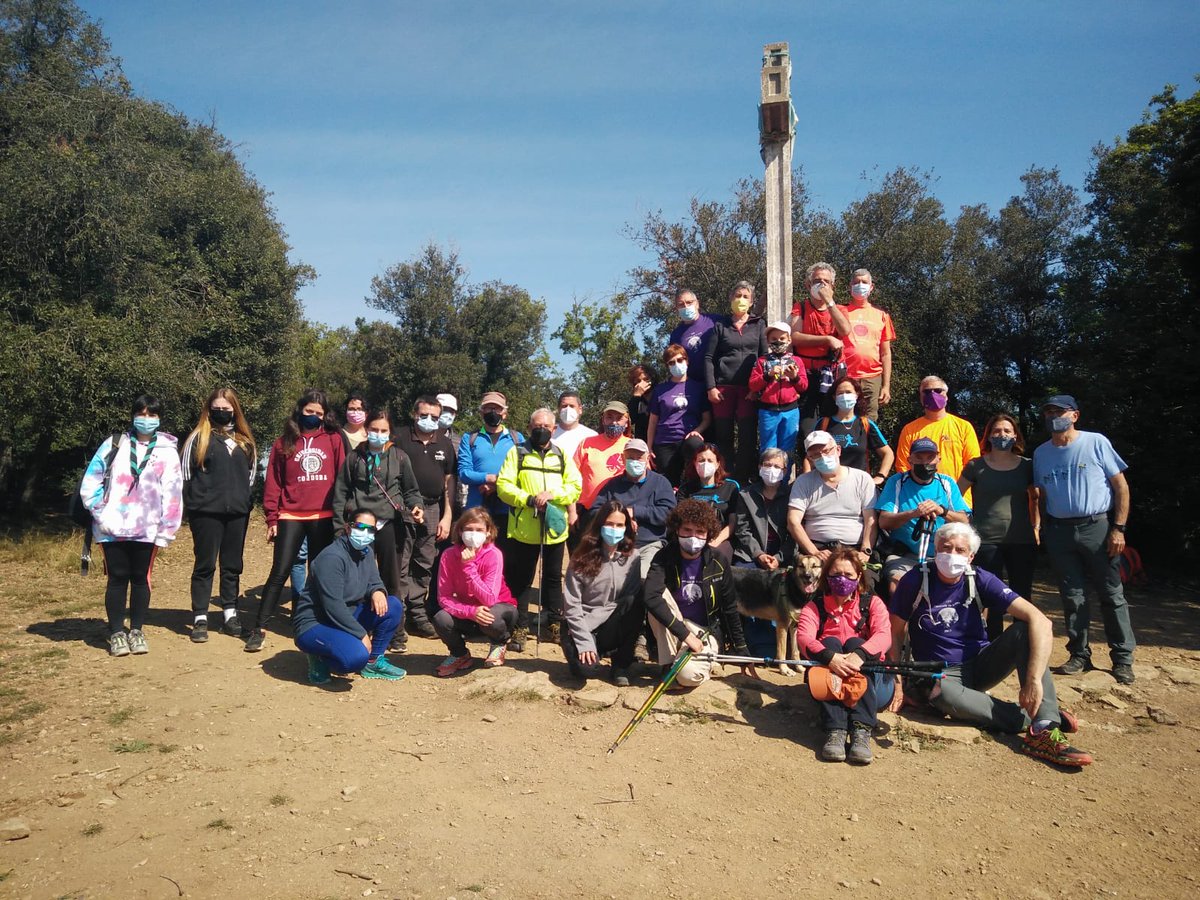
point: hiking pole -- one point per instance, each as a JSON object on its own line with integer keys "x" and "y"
{"x": 667, "y": 680}
{"x": 914, "y": 669}
{"x": 537, "y": 648}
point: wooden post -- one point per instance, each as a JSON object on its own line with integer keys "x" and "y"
{"x": 776, "y": 130}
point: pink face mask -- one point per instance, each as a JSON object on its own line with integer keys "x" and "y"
{"x": 933, "y": 401}
{"x": 356, "y": 416}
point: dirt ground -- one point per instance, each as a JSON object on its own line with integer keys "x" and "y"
{"x": 199, "y": 770}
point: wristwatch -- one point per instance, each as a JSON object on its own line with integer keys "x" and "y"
{"x": 1115, "y": 527}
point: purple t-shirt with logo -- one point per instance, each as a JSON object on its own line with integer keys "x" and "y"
{"x": 679, "y": 406}
{"x": 691, "y": 337}
{"x": 948, "y": 627}
{"x": 690, "y": 595}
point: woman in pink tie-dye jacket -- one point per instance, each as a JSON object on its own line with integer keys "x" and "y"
{"x": 136, "y": 509}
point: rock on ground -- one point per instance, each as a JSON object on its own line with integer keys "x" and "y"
{"x": 13, "y": 830}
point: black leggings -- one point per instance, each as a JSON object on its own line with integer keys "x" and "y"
{"x": 290, "y": 534}
{"x": 213, "y": 535}
{"x": 128, "y": 566}
{"x": 389, "y": 538}
{"x": 520, "y": 563}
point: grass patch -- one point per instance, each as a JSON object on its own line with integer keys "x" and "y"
{"x": 219, "y": 825}
{"x": 24, "y": 711}
{"x": 121, "y": 716}
{"x": 52, "y": 653}
{"x": 281, "y": 800}
{"x": 92, "y": 830}
{"x": 132, "y": 747}
{"x": 474, "y": 888}
{"x": 9, "y": 737}
{"x": 11, "y": 693}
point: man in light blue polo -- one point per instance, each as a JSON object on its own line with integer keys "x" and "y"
{"x": 1085, "y": 506}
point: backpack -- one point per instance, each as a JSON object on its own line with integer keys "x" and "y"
{"x": 864, "y": 609}
{"x": 80, "y": 514}
{"x": 1132, "y": 570}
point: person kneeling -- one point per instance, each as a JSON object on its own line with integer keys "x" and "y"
{"x": 344, "y": 620}
{"x": 944, "y": 616}
{"x": 843, "y": 629}
{"x": 602, "y": 602}
{"x": 472, "y": 594}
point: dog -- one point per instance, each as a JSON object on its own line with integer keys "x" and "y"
{"x": 779, "y": 595}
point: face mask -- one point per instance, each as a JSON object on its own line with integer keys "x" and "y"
{"x": 815, "y": 291}
{"x": 826, "y": 465}
{"x": 692, "y": 545}
{"x": 356, "y": 416}
{"x": 952, "y": 565}
{"x": 616, "y": 429}
{"x": 445, "y": 420}
{"x": 376, "y": 440}
{"x": 924, "y": 471}
{"x": 846, "y": 402}
{"x": 770, "y": 475}
{"x": 689, "y": 313}
{"x": 473, "y": 539}
{"x": 677, "y": 369}
{"x": 842, "y": 585}
{"x": 362, "y": 538}
{"x": 308, "y": 423}
{"x": 933, "y": 401}
{"x": 145, "y": 424}
{"x": 491, "y": 418}
{"x": 740, "y": 306}
{"x": 1003, "y": 443}
{"x": 635, "y": 467}
{"x": 427, "y": 424}
{"x": 612, "y": 535}
{"x": 568, "y": 415}
{"x": 539, "y": 437}
{"x": 222, "y": 418}
{"x": 779, "y": 347}
{"x": 706, "y": 470}
{"x": 1058, "y": 424}
{"x": 860, "y": 291}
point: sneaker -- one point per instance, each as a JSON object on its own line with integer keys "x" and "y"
{"x": 1076, "y": 665}
{"x": 318, "y": 669}
{"x": 495, "y": 657}
{"x": 452, "y": 664}
{"x": 200, "y": 631}
{"x": 118, "y": 644}
{"x": 1069, "y": 721}
{"x": 254, "y": 642}
{"x": 1051, "y": 745}
{"x": 137, "y": 642}
{"x": 620, "y": 677}
{"x": 232, "y": 626}
{"x": 1123, "y": 672}
{"x": 516, "y": 640}
{"x": 860, "y": 745}
{"x": 381, "y": 668}
{"x": 399, "y": 644}
{"x": 834, "y": 749}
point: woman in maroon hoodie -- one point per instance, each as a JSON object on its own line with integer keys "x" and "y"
{"x": 298, "y": 497}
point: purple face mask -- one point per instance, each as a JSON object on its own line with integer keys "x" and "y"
{"x": 842, "y": 585}
{"x": 933, "y": 401}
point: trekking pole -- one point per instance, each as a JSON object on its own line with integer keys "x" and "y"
{"x": 537, "y": 648}
{"x": 667, "y": 680}
{"x": 915, "y": 669}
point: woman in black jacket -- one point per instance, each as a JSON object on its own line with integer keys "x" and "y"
{"x": 733, "y": 347}
{"x": 218, "y": 471}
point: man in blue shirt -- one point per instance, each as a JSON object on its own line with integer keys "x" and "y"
{"x": 1085, "y": 506}
{"x": 647, "y": 495}
{"x": 918, "y": 497}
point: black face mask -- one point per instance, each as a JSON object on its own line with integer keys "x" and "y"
{"x": 924, "y": 471}
{"x": 539, "y": 437}
{"x": 220, "y": 417}
{"x": 491, "y": 418}
{"x": 308, "y": 423}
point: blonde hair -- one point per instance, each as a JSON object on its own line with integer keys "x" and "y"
{"x": 241, "y": 431}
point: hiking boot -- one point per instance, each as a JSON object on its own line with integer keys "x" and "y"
{"x": 1069, "y": 723}
{"x": 1123, "y": 672}
{"x": 1076, "y": 665}
{"x": 516, "y": 640}
{"x": 834, "y": 749}
{"x": 620, "y": 677}
{"x": 318, "y": 669}
{"x": 553, "y": 633}
{"x": 232, "y": 626}
{"x": 399, "y": 643}
{"x": 200, "y": 631}
{"x": 495, "y": 657}
{"x": 381, "y": 668}
{"x": 454, "y": 664}
{"x": 860, "y": 745}
{"x": 1051, "y": 745}
{"x": 422, "y": 629}
{"x": 254, "y": 642}
{"x": 641, "y": 652}
{"x": 118, "y": 644}
{"x": 137, "y": 642}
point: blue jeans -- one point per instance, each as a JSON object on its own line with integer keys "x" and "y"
{"x": 343, "y": 651}
{"x": 778, "y": 429}
{"x": 300, "y": 571}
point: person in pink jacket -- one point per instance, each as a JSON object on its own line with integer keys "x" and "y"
{"x": 843, "y": 629}
{"x": 472, "y": 594}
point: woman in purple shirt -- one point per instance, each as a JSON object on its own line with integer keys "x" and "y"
{"x": 678, "y": 411}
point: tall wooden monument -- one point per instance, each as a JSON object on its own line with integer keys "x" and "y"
{"x": 776, "y": 130}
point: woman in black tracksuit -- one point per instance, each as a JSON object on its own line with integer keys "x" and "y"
{"x": 218, "y": 471}
{"x": 378, "y": 476}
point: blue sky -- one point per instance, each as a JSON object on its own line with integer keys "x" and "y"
{"x": 530, "y": 135}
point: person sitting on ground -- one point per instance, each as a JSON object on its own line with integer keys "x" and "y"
{"x": 472, "y": 594}
{"x": 760, "y": 532}
{"x": 858, "y": 436}
{"x": 846, "y": 627}
{"x": 678, "y": 415}
{"x": 922, "y": 496}
{"x": 942, "y": 613}
{"x": 344, "y": 619}
{"x": 648, "y": 497}
{"x": 779, "y": 380}
{"x": 602, "y": 599}
{"x": 689, "y": 595}
{"x": 706, "y": 479}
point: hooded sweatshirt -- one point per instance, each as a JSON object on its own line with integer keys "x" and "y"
{"x": 300, "y": 485}
{"x": 148, "y": 509}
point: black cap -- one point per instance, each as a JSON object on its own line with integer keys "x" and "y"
{"x": 1062, "y": 401}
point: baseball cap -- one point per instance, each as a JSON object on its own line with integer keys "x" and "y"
{"x": 817, "y": 439}
{"x": 448, "y": 401}
{"x": 780, "y": 326}
{"x": 494, "y": 397}
{"x": 923, "y": 445}
{"x": 616, "y": 406}
{"x": 824, "y": 685}
{"x": 1062, "y": 401}
{"x": 637, "y": 444}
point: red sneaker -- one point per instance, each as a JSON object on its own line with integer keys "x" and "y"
{"x": 453, "y": 664}
{"x": 1052, "y": 746}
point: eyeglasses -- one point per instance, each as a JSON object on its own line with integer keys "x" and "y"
{"x": 933, "y": 390}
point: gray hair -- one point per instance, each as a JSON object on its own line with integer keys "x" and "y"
{"x": 820, "y": 267}
{"x": 687, "y": 292}
{"x": 952, "y": 530}
{"x": 742, "y": 284}
{"x": 858, "y": 272}
{"x": 540, "y": 411}
{"x": 934, "y": 378}
{"x": 771, "y": 453}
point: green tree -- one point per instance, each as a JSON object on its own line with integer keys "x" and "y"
{"x": 601, "y": 337}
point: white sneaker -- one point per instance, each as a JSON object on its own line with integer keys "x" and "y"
{"x": 137, "y": 642}
{"x": 118, "y": 644}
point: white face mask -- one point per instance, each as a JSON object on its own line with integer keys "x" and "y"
{"x": 474, "y": 539}
{"x": 860, "y": 290}
{"x": 771, "y": 475}
{"x": 692, "y": 545}
{"x": 815, "y": 290}
{"x": 952, "y": 565}
{"x": 568, "y": 415}
{"x": 706, "y": 470}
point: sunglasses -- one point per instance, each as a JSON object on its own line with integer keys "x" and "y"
{"x": 933, "y": 390}
{"x": 362, "y": 526}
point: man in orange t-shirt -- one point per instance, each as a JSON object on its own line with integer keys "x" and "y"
{"x": 598, "y": 459}
{"x": 868, "y": 350}
{"x": 955, "y": 437}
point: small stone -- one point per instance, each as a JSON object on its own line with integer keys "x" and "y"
{"x": 853, "y": 817}
{"x": 172, "y": 713}
{"x": 876, "y": 882}
{"x": 490, "y": 718}
{"x": 596, "y": 696}
{"x": 348, "y": 791}
{"x": 846, "y": 884}
{"x": 361, "y": 842}
{"x": 1112, "y": 702}
{"x": 914, "y": 746}
{"x": 1162, "y": 716}
{"x": 13, "y": 830}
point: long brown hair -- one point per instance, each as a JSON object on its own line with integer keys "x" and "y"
{"x": 291, "y": 430}
{"x": 850, "y": 556}
{"x": 241, "y": 435}
{"x": 587, "y": 558}
{"x": 1018, "y": 444}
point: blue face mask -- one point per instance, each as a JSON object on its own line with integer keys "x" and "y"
{"x": 427, "y": 424}
{"x": 1058, "y": 424}
{"x": 1003, "y": 443}
{"x": 362, "y": 538}
{"x": 145, "y": 424}
{"x": 375, "y": 440}
{"x": 612, "y": 535}
{"x": 308, "y": 423}
{"x": 446, "y": 419}
{"x": 616, "y": 429}
{"x": 635, "y": 467}
{"x": 826, "y": 465}
{"x": 845, "y": 402}
{"x": 689, "y": 313}
{"x": 677, "y": 370}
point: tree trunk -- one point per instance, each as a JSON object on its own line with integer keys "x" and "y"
{"x": 34, "y": 471}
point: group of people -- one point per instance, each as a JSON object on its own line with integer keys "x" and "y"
{"x": 639, "y": 527}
